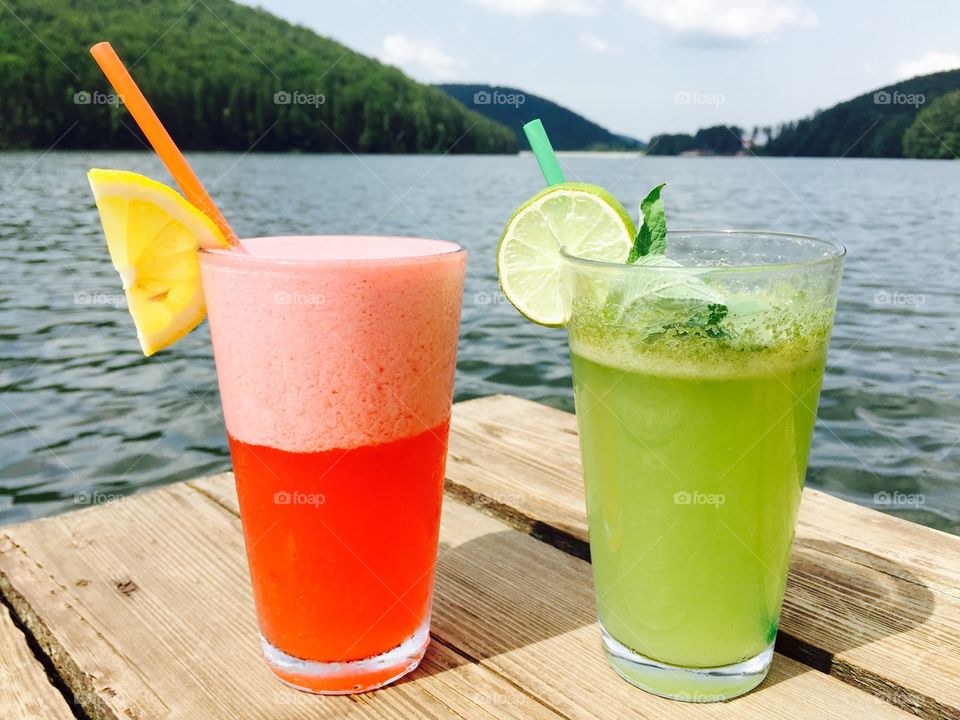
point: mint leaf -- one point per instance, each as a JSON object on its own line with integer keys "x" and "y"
{"x": 652, "y": 236}
{"x": 717, "y": 312}
{"x": 682, "y": 303}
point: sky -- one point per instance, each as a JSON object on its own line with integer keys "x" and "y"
{"x": 641, "y": 67}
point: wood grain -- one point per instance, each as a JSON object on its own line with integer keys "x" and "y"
{"x": 144, "y": 608}
{"x": 25, "y": 691}
{"x": 525, "y": 610}
{"x": 871, "y": 599}
{"x": 143, "y": 605}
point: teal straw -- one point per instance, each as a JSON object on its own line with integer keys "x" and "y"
{"x": 543, "y": 151}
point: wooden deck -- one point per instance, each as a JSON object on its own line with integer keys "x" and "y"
{"x": 141, "y": 608}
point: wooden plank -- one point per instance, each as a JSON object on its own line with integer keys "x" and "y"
{"x": 871, "y": 599}
{"x": 25, "y": 690}
{"x": 144, "y": 608}
{"x": 526, "y": 611}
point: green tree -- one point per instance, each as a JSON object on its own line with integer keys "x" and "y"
{"x": 668, "y": 144}
{"x": 716, "y": 140}
{"x": 221, "y": 76}
{"x": 720, "y": 139}
{"x": 935, "y": 132}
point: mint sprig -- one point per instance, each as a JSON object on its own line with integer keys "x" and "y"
{"x": 652, "y": 235}
{"x": 717, "y": 312}
{"x": 652, "y": 240}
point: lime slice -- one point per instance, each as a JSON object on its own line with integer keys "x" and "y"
{"x": 585, "y": 219}
{"x": 153, "y": 235}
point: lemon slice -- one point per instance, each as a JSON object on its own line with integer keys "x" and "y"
{"x": 586, "y": 219}
{"x": 153, "y": 235}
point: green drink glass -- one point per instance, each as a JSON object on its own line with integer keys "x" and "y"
{"x": 696, "y": 386}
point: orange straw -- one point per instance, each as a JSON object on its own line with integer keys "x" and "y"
{"x": 159, "y": 138}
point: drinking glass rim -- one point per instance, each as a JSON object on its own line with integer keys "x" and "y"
{"x": 229, "y": 254}
{"x": 838, "y": 252}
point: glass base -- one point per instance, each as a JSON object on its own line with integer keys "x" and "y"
{"x": 686, "y": 684}
{"x": 347, "y": 678}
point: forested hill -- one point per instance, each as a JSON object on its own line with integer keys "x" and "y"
{"x": 222, "y": 76}
{"x": 871, "y": 125}
{"x": 513, "y": 108}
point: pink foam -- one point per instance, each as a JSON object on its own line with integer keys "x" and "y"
{"x": 334, "y": 341}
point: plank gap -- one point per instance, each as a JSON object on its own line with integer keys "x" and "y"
{"x": 42, "y": 645}
{"x": 216, "y": 500}
{"x": 856, "y": 556}
{"x": 914, "y": 702}
{"x": 559, "y": 538}
{"x": 53, "y": 675}
{"x": 812, "y": 656}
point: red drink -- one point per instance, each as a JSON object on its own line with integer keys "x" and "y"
{"x": 306, "y": 540}
{"x": 335, "y": 358}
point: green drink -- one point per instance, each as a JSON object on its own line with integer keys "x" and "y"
{"x": 695, "y": 427}
{"x": 726, "y": 518}
{"x": 698, "y": 358}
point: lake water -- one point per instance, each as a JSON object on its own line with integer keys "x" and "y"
{"x": 85, "y": 418}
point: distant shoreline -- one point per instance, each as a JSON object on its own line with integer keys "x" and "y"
{"x": 595, "y": 153}
{"x": 608, "y": 154}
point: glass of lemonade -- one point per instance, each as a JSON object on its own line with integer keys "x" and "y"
{"x": 335, "y": 358}
{"x": 696, "y": 386}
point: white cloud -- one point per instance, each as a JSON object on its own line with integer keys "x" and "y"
{"x": 731, "y": 19}
{"x": 592, "y": 43}
{"x": 930, "y": 63}
{"x": 422, "y": 58}
{"x": 529, "y": 8}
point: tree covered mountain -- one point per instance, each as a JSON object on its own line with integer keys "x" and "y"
{"x": 716, "y": 140}
{"x": 513, "y": 108}
{"x": 935, "y": 132}
{"x": 870, "y": 125}
{"x": 221, "y": 76}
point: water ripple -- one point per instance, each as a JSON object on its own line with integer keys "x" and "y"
{"x": 83, "y": 415}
